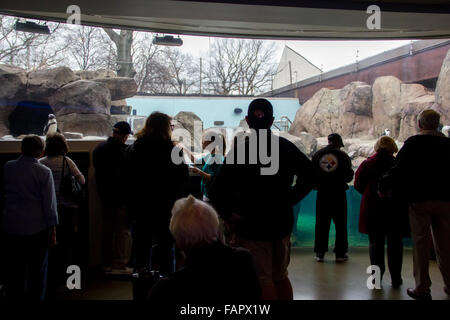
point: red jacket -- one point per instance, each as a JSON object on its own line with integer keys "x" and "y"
{"x": 377, "y": 214}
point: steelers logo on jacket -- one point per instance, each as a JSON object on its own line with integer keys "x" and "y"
{"x": 328, "y": 162}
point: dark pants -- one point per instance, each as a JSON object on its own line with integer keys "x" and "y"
{"x": 25, "y": 265}
{"x": 154, "y": 248}
{"x": 394, "y": 253}
{"x": 63, "y": 254}
{"x": 331, "y": 206}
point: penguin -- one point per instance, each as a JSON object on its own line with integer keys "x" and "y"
{"x": 386, "y": 132}
{"x": 51, "y": 126}
{"x": 446, "y": 130}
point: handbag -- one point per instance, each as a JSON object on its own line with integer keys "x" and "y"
{"x": 70, "y": 188}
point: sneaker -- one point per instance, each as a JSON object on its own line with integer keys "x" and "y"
{"x": 341, "y": 258}
{"x": 418, "y": 296}
{"x": 320, "y": 257}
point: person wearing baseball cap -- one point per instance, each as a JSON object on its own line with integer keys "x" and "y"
{"x": 107, "y": 158}
{"x": 258, "y": 207}
{"x": 334, "y": 171}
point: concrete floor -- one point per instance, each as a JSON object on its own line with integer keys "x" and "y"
{"x": 311, "y": 280}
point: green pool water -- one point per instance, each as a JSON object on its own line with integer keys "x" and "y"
{"x": 303, "y": 236}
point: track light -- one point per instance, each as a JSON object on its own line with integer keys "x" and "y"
{"x": 32, "y": 27}
{"x": 167, "y": 41}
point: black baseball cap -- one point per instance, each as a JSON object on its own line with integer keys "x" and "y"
{"x": 335, "y": 139}
{"x": 122, "y": 127}
{"x": 260, "y": 113}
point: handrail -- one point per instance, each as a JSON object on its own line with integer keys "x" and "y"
{"x": 284, "y": 123}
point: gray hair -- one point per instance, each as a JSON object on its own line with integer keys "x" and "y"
{"x": 193, "y": 223}
{"x": 428, "y": 119}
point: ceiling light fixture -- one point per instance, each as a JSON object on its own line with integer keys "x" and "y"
{"x": 32, "y": 27}
{"x": 168, "y": 41}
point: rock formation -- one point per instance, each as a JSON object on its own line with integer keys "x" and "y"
{"x": 82, "y": 96}
{"x": 395, "y": 104}
{"x": 346, "y": 110}
{"x": 362, "y": 111}
{"x": 72, "y": 96}
{"x": 193, "y": 124}
{"x": 89, "y": 124}
{"x": 443, "y": 91}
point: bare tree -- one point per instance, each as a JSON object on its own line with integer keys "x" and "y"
{"x": 182, "y": 71}
{"x": 30, "y": 51}
{"x": 88, "y": 48}
{"x": 151, "y": 73}
{"x": 124, "y": 44}
{"x": 239, "y": 66}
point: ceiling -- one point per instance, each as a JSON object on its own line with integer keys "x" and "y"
{"x": 284, "y": 19}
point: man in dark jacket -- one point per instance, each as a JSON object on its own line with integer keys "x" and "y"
{"x": 421, "y": 176}
{"x": 258, "y": 203}
{"x": 334, "y": 171}
{"x": 107, "y": 158}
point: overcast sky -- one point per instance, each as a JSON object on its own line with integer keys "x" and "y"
{"x": 324, "y": 54}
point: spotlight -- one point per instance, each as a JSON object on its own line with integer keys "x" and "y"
{"x": 32, "y": 27}
{"x": 167, "y": 41}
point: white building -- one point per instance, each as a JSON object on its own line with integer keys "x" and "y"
{"x": 293, "y": 67}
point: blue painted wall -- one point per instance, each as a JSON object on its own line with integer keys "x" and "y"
{"x": 210, "y": 109}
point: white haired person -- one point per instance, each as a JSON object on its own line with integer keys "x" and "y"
{"x": 420, "y": 176}
{"x": 212, "y": 270}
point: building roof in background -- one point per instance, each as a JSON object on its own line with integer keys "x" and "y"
{"x": 293, "y": 67}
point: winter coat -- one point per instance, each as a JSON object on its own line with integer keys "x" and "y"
{"x": 379, "y": 214}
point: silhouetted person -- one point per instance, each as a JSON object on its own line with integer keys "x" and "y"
{"x": 29, "y": 221}
{"x": 62, "y": 255}
{"x": 382, "y": 217}
{"x": 334, "y": 171}
{"x": 212, "y": 271}
{"x": 420, "y": 176}
{"x": 256, "y": 197}
{"x": 153, "y": 183}
{"x": 107, "y": 158}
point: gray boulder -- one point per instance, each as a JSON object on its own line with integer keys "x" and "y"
{"x": 309, "y": 143}
{"x": 186, "y": 120}
{"x": 443, "y": 91}
{"x": 73, "y": 135}
{"x": 13, "y": 82}
{"x": 6, "y": 108}
{"x": 394, "y": 101}
{"x": 409, "y": 112}
{"x": 346, "y": 111}
{"x": 86, "y": 124}
{"x": 82, "y": 96}
{"x": 120, "y": 87}
{"x": 120, "y": 107}
{"x": 294, "y": 139}
{"x": 101, "y": 73}
{"x": 44, "y": 83}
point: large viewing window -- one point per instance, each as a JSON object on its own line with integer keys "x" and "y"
{"x": 92, "y": 77}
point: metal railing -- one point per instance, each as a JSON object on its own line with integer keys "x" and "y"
{"x": 283, "y": 124}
